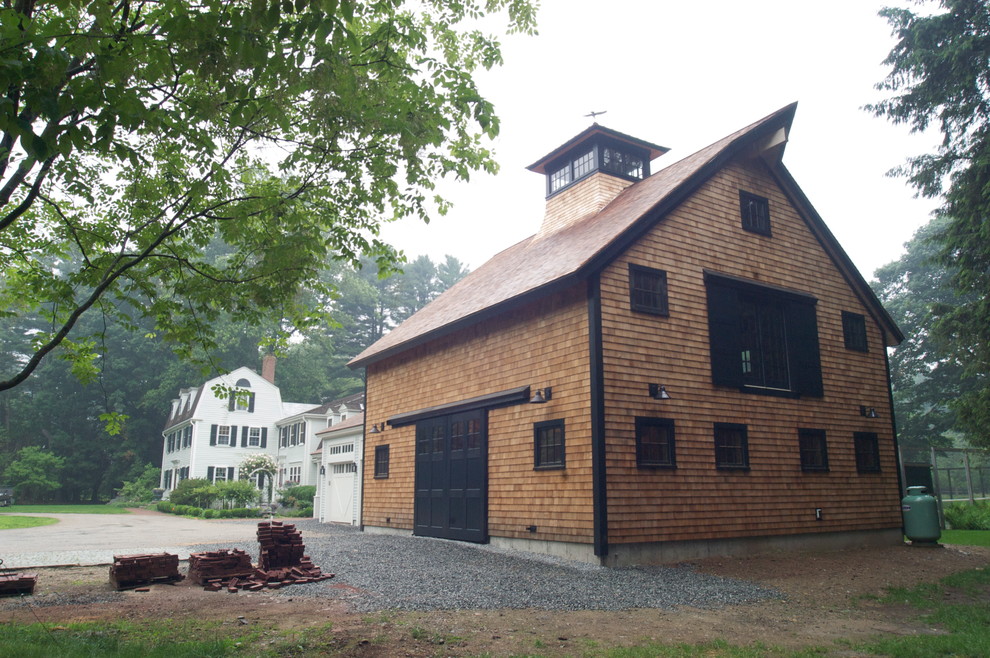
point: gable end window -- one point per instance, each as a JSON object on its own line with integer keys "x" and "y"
{"x": 854, "y": 331}
{"x": 655, "y": 443}
{"x": 648, "y": 290}
{"x": 813, "y": 449}
{"x": 763, "y": 339}
{"x": 867, "y": 452}
{"x": 548, "y": 445}
{"x": 731, "y": 446}
{"x": 755, "y": 212}
{"x": 381, "y": 462}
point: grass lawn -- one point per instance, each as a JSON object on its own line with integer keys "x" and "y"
{"x": 13, "y": 522}
{"x": 63, "y": 509}
{"x": 966, "y": 537}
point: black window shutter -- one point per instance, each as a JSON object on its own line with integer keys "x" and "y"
{"x": 264, "y": 437}
{"x": 231, "y": 401}
{"x": 213, "y": 435}
{"x": 251, "y": 403}
{"x": 230, "y": 474}
{"x": 244, "y": 436}
{"x": 209, "y": 473}
{"x": 723, "y": 335}
{"x": 805, "y": 357}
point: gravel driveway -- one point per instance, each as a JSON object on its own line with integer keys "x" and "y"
{"x": 377, "y": 572}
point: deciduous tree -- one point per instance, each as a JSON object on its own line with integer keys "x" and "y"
{"x": 940, "y": 78}
{"x": 134, "y": 133}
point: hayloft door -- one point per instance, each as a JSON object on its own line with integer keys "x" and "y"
{"x": 451, "y": 477}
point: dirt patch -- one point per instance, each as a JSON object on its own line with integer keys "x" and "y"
{"x": 829, "y": 597}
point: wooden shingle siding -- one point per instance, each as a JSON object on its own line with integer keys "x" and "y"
{"x": 695, "y": 501}
{"x": 541, "y": 344}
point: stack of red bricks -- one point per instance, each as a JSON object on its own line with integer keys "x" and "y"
{"x": 282, "y": 561}
{"x": 281, "y": 545}
{"x": 17, "y": 583}
{"x": 218, "y": 567}
{"x": 129, "y": 571}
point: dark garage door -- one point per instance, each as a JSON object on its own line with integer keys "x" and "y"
{"x": 451, "y": 477}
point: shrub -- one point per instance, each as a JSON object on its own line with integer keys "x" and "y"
{"x": 183, "y": 492}
{"x": 299, "y": 496}
{"x": 210, "y": 513}
{"x": 966, "y": 516}
{"x": 141, "y": 488}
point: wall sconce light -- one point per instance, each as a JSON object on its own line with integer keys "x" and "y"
{"x": 868, "y": 412}
{"x": 377, "y": 428}
{"x": 659, "y": 392}
{"x": 541, "y": 395}
{"x": 323, "y": 469}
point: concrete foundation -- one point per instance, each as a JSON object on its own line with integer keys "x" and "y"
{"x": 622, "y": 555}
{"x": 625, "y": 555}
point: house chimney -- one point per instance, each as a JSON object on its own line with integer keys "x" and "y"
{"x": 586, "y": 173}
{"x": 268, "y": 368}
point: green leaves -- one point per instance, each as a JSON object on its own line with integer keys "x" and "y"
{"x": 134, "y": 135}
{"x": 940, "y": 77}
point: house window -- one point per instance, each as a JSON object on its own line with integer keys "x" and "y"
{"x": 731, "y": 446}
{"x": 254, "y": 437}
{"x": 283, "y": 437}
{"x": 755, "y": 212}
{"x": 655, "y": 443}
{"x": 548, "y": 444}
{"x": 223, "y": 435}
{"x": 584, "y": 164}
{"x": 763, "y": 344}
{"x": 762, "y": 339}
{"x": 622, "y": 163}
{"x": 381, "y": 461}
{"x": 854, "y": 331}
{"x": 814, "y": 450}
{"x": 294, "y": 436}
{"x": 648, "y": 290}
{"x": 187, "y": 437}
{"x": 867, "y": 452}
{"x": 295, "y": 475}
{"x": 219, "y": 473}
{"x": 167, "y": 481}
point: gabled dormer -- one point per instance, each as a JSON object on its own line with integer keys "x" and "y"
{"x": 586, "y": 173}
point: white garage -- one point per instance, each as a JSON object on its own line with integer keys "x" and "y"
{"x": 338, "y": 491}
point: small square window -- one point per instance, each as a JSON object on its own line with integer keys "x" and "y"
{"x": 648, "y": 290}
{"x": 814, "y": 450}
{"x": 548, "y": 444}
{"x": 755, "y": 213}
{"x": 381, "y": 461}
{"x": 731, "y": 446}
{"x": 867, "y": 452}
{"x": 655, "y": 443}
{"x": 854, "y": 331}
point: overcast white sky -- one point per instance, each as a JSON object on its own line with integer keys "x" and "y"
{"x": 684, "y": 74}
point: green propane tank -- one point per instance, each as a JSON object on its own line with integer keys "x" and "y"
{"x": 920, "y": 513}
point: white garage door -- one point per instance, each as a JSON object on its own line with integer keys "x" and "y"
{"x": 341, "y": 484}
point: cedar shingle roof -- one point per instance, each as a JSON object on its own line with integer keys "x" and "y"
{"x": 544, "y": 262}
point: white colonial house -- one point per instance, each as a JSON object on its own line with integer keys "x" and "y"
{"x": 207, "y": 436}
{"x": 340, "y": 458}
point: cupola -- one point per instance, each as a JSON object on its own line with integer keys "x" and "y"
{"x": 586, "y": 173}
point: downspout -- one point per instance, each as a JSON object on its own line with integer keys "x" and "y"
{"x": 893, "y": 424}
{"x": 598, "y": 452}
{"x": 364, "y": 451}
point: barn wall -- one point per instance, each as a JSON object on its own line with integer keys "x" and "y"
{"x": 696, "y": 501}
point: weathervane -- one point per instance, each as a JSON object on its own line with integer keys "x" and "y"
{"x": 593, "y": 115}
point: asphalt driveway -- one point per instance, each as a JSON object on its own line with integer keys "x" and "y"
{"x": 89, "y": 539}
